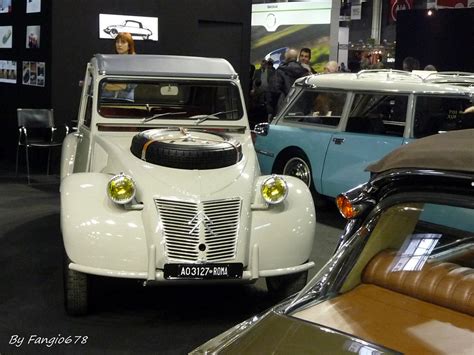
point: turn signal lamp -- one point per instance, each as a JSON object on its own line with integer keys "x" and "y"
{"x": 346, "y": 208}
{"x": 274, "y": 190}
{"x": 121, "y": 189}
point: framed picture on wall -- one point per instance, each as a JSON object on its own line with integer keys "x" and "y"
{"x": 33, "y": 73}
{"x": 5, "y": 6}
{"x": 33, "y": 6}
{"x": 140, "y": 27}
{"x": 8, "y": 71}
{"x": 6, "y": 35}
{"x": 33, "y": 36}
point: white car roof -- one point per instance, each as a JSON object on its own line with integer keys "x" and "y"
{"x": 163, "y": 65}
{"x": 382, "y": 80}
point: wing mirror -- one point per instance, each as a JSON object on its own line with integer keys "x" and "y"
{"x": 261, "y": 129}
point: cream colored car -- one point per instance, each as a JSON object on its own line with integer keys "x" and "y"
{"x": 161, "y": 183}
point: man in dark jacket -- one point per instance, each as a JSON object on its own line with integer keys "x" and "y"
{"x": 284, "y": 77}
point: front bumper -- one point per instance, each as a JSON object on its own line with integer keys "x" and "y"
{"x": 251, "y": 273}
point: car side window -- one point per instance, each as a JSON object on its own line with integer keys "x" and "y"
{"x": 435, "y": 114}
{"x": 378, "y": 114}
{"x": 88, "y": 113}
{"x": 317, "y": 107}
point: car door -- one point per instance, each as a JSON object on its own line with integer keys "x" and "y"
{"x": 374, "y": 127}
{"x": 83, "y": 134}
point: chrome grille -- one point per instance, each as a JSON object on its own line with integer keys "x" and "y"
{"x": 221, "y": 241}
{"x": 181, "y": 241}
{"x": 204, "y": 231}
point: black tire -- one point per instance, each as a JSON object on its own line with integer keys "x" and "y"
{"x": 297, "y": 164}
{"x": 76, "y": 290}
{"x": 114, "y": 32}
{"x": 286, "y": 285}
{"x": 196, "y": 150}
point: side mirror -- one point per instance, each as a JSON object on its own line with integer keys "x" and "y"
{"x": 261, "y": 129}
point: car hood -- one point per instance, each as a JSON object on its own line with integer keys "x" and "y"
{"x": 281, "y": 334}
{"x": 184, "y": 183}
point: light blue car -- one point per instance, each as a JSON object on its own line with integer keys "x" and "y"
{"x": 334, "y": 125}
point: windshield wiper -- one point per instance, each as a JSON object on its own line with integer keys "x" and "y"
{"x": 147, "y": 119}
{"x": 202, "y": 118}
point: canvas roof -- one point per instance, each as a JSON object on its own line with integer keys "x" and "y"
{"x": 452, "y": 151}
{"x": 163, "y": 65}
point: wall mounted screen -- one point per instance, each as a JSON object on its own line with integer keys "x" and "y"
{"x": 277, "y": 26}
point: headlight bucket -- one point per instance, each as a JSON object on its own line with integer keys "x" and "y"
{"x": 121, "y": 189}
{"x": 274, "y": 190}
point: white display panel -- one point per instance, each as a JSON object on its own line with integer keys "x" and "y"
{"x": 140, "y": 27}
{"x": 8, "y": 71}
{"x": 33, "y": 6}
{"x": 33, "y": 36}
{"x": 6, "y": 36}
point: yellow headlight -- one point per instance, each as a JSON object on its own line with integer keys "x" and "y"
{"x": 121, "y": 189}
{"x": 274, "y": 190}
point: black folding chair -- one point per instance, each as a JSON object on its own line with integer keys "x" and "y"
{"x": 37, "y": 130}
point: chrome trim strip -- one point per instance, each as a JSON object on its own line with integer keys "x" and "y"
{"x": 264, "y": 152}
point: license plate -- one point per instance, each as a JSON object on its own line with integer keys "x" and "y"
{"x": 203, "y": 271}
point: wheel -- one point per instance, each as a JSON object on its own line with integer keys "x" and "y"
{"x": 296, "y": 164}
{"x": 114, "y": 32}
{"x": 298, "y": 167}
{"x": 286, "y": 285}
{"x": 186, "y": 149}
{"x": 76, "y": 289}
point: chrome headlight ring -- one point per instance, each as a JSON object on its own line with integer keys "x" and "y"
{"x": 274, "y": 190}
{"x": 121, "y": 189}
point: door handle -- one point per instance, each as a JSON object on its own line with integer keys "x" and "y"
{"x": 78, "y": 135}
{"x": 338, "y": 140}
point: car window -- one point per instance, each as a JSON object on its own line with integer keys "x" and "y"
{"x": 90, "y": 95}
{"x": 132, "y": 24}
{"x": 378, "y": 114}
{"x": 174, "y": 99}
{"x": 434, "y": 114}
{"x": 316, "y": 107}
{"x": 416, "y": 234}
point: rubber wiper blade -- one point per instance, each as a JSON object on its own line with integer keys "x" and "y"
{"x": 202, "y": 118}
{"x": 158, "y": 115}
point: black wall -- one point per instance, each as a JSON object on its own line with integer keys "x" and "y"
{"x": 70, "y": 36}
{"x": 444, "y": 39}
{"x": 13, "y": 96}
{"x": 210, "y": 28}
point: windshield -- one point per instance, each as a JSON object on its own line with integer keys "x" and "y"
{"x": 405, "y": 240}
{"x": 166, "y": 99}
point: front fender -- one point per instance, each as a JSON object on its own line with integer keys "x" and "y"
{"x": 283, "y": 234}
{"x": 98, "y": 233}
{"x": 68, "y": 153}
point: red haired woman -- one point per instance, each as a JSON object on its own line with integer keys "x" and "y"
{"x": 124, "y": 43}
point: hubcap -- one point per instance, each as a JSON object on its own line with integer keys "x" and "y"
{"x": 297, "y": 167}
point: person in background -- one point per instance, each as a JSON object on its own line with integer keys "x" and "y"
{"x": 284, "y": 77}
{"x": 124, "y": 43}
{"x": 410, "y": 64}
{"x": 331, "y": 67}
{"x": 343, "y": 68}
{"x": 264, "y": 73}
{"x": 305, "y": 60}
